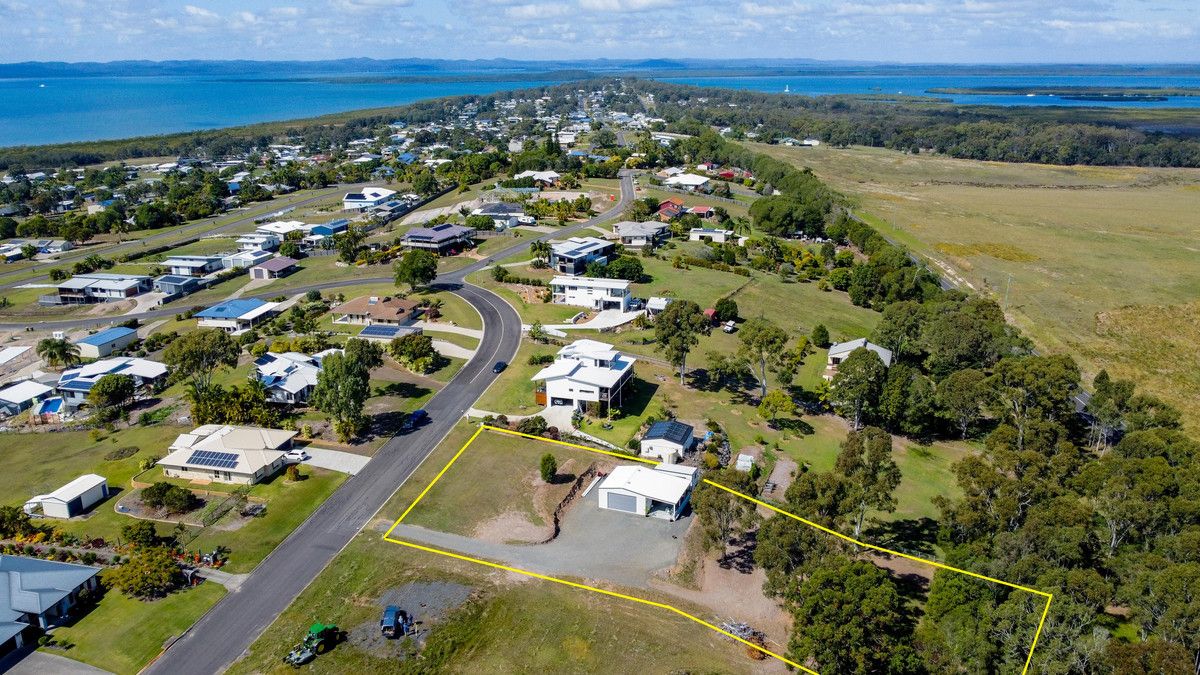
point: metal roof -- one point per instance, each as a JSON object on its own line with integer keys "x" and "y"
{"x": 670, "y": 430}
{"x": 106, "y": 336}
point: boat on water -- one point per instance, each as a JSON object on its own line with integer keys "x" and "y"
{"x": 787, "y": 89}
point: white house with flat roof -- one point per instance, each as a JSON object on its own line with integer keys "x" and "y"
{"x": 281, "y": 228}
{"x": 715, "y": 235}
{"x": 572, "y": 256}
{"x": 227, "y": 454}
{"x": 366, "y": 198}
{"x": 101, "y": 287}
{"x": 542, "y": 177}
{"x": 591, "y": 293}
{"x": 259, "y": 241}
{"x": 662, "y": 491}
{"x": 192, "y": 265}
{"x": 585, "y": 371}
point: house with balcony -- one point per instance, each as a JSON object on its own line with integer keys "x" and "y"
{"x": 236, "y": 316}
{"x": 74, "y": 384}
{"x": 584, "y": 372}
{"x": 83, "y": 289}
{"x": 598, "y": 294}
{"x": 572, "y": 257}
{"x": 192, "y": 265}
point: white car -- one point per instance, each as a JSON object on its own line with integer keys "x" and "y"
{"x": 295, "y": 456}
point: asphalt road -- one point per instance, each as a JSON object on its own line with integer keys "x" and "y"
{"x": 232, "y": 625}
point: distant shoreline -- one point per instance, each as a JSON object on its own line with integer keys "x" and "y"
{"x": 1076, "y": 92}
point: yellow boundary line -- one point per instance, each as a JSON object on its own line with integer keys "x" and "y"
{"x": 388, "y": 537}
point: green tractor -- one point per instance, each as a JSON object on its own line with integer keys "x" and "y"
{"x": 319, "y": 639}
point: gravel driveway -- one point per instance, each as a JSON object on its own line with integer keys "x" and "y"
{"x": 594, "y": 543}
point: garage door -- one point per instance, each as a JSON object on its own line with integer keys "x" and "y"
{"x": 620, "y": 502}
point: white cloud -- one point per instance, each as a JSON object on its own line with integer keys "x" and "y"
{"x": 775, "y": 9}
{"x": 537, "y": 11}
{"x": 200, "y": 13}
{"x": 886, "y": 9}
{"x": 369, "y": 5}
{"x": 625, "y": 5}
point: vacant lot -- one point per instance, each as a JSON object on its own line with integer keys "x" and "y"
{"x": 1102, "y": 260}
{"x": 510, "y": 624}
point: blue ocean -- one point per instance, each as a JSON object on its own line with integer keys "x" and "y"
{"x": 64, "y": 109}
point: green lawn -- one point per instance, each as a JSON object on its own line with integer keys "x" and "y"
{"x": 511, "y": 393}
{"x": 211, "y": 246}
{"x": 497, "y": 474}
{"x": 506, "y": 627}
{"x": 288, "y": 505}
{"x": 121, "y": 635}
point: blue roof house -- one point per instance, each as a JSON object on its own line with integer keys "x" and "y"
{"x": 104, "y": 343}
{"x": 37, "y": 594}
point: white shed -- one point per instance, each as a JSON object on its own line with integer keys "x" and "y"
{"x": 71, "y": 499}
{"x": 662, "y": 492}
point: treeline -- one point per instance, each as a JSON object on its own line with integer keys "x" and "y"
{"x": 1006, "y": 134}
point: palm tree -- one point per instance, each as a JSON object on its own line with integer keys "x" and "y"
{"x": 740, "y": 226}
{"x": 58, "y": 352}
{"x": 540, "y": 249}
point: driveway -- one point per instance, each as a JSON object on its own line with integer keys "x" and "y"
{"x": 450, "y": 349}
{"x": 43, "y": 663}
{"x": 335, "y": 460}
{"x": 594, "y": 543}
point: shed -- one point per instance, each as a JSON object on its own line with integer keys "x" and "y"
{"x": 104, "y": 343}
{"x": 667, "y": 440}
{"x": 273, "y": 268}
{"x": 71, "y": 499}
{"x": 662, "y": 492}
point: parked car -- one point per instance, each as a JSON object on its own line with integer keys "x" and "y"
{"x": 295, "y": 456}
{"x": 729, "y": 326}
{"x": 415, "y": 419}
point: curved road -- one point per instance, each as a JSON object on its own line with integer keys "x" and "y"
{"x": 232, "y": 625}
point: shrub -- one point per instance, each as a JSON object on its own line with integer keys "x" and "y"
{"x": 151, "y": 573}
{"x": 548, "y": 467}
{"x": 140, "y": 533}
{"x": 534, "y": 425}
{"x": 540, "y": 359}
{"x": 711, "y": 461}
{"x": 293, "y": 472}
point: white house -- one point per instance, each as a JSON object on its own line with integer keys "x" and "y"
{"x": 19, "y": 397}
{"x": 543, "y": 177}
{"x": 99, "y": 345}
{"x": 668, "y": 441}
{"x": 838, "y": 352}
{"x": 192, "y": 265}
{"x": 686, "y": 181}
{"x": 71, "y": 499}
{"x": 591, "y": 293}
{"x": 640, "y": 235}
{"x": 656, "y": 305}
{"x": 715, "y": 235}
{"x": 572, "y": 256}
{"x": 236, "y": 316}
{"x": 366, "y": 198}
{"x": 289, "y": 377}
{"x": 227, "y": 454}
{"x": 259, "y": 241}
{"x": 282, "y": 228}
{"x": 585, "y": 371}
{"x": 662, "y": 491}
{"x": 75, "y": 383}
{"x": 101, "y": 287}
{"x": 245, "y": 259}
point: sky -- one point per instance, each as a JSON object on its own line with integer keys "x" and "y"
{"x": 943, "y": 31}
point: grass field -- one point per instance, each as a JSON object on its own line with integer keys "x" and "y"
{"x": 509, "y": 625}
{"x": 497, "y": 474}
{"x": 1103, "y": 260}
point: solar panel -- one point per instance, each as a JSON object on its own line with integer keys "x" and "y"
{"x": 380, "y": 331}
{"x": 219, "y": 460}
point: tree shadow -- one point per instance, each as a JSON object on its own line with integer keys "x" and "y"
{"x": 402, "y": 390}
{"x": 739, "y": 554}
{"x": 561, "y": 478}
{"x": 387, "y": 423}
{"x": 642, "y": 394}
{"x": 794, "y": 425}
{"x": 915, "y": 536}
